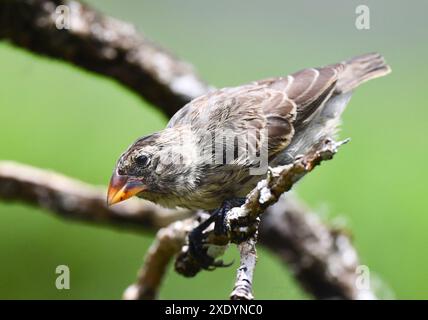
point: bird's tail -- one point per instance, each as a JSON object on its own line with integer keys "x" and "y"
{"x": 360, "y": 69}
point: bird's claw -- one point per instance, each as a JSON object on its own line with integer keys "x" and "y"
{"x": 197, "y": 240}
{"x": 199, "y": 252}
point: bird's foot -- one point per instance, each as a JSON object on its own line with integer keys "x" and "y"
{"x": 197, "y": 238}
{"x": 220, "y": 227}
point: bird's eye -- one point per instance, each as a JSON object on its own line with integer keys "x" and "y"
{"x": 142, "y": 160}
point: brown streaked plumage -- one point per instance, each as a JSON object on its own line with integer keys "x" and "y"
{"x": 294, "y": 111}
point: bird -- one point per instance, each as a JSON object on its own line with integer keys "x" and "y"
{"x": 218, "y": 147}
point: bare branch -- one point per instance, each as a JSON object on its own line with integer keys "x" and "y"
{"x": 103, "y": 45}
{"x": 243, "y": 289}
{"x": 70, "y": 198}
{"x": 167, "y": 244}
{"x": 268, "y": 191}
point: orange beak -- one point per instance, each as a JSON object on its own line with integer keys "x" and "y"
{"x": 123, "y": 187}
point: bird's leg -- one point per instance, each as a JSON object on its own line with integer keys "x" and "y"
{"x": 220, "y": 221}
{"x": 197, "y": 239}
{"x": 196, "y": 243}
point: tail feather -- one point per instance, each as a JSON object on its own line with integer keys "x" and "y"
{"x": 360, "y": 69}
{"x": 353, "y": 72}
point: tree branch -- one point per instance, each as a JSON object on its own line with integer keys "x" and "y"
{"x": 243, "y": 289}
{"x": 103, "y": 45}
{"x": 168, "y": 242}
{"x": 322, "y": 258}
{"x": 268, "y": 191}
{"x": 73, "y": 199}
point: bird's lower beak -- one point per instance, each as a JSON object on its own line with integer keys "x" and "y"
{"x": 123, "y": 187}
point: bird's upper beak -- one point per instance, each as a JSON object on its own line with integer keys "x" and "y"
{"x": 123, "y": 187}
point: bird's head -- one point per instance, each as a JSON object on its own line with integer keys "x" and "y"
{"x": 151, "y": 167}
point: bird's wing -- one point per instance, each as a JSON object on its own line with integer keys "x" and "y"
{"x": 277, "y": 105}
{"x": 241, "y": 111}
{"x": 308, "y": 89}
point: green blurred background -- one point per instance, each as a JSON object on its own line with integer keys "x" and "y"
{"x": 54, "y": 115}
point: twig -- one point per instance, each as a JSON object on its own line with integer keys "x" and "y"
{"x": 168, "y": 242}
{"x": 243, "y": 289}
{"x": 280, "y": 180}
{"x": 104, "y": 45}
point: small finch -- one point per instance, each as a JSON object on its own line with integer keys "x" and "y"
{"x": 218, "y": 146}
